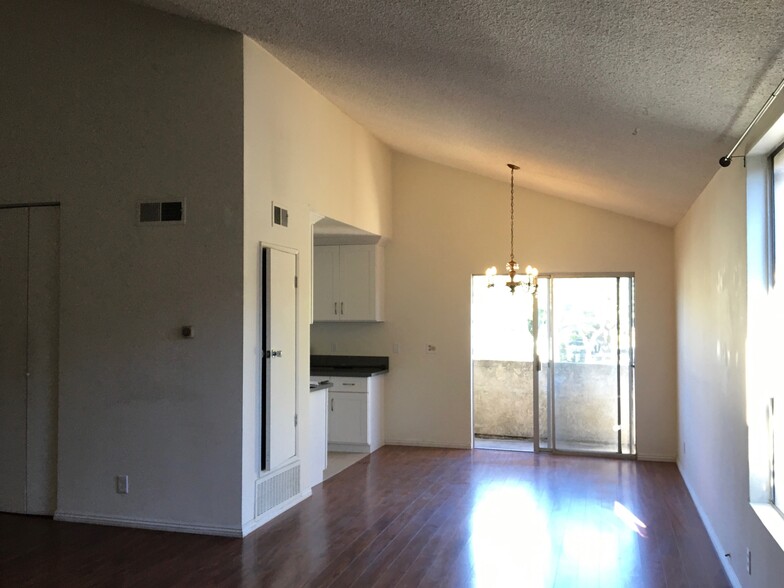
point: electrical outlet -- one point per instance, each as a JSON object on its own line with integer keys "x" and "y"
{"x": 684, "y": 448}
{"x": 395, "y": 347}
{"x": 122, "y": 484}
{"x": 430, "y": 348}
{"x": 333, "y": 347}
{"x": 748, "y": 561}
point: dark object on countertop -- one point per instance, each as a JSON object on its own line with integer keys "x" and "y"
{"x": 358, "y": 366}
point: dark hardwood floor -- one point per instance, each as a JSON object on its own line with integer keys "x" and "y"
{"x": 411, "y": 517}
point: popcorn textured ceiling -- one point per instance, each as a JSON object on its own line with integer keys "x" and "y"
{"x": 624, "y": 105}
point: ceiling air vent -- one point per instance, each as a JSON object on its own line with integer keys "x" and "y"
{"x": 280, "y": 216}
{"x": 161, "y": 213}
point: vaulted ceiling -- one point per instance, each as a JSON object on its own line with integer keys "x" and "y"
{"x": 624, "y": 105}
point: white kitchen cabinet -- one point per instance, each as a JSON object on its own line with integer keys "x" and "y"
{"x": 325, "y": 282}
{"x": 356, "y": 418}
{"x": 347, "y": 283}
{"x": 348, "y": 417}
{"x": 318, "y": 434}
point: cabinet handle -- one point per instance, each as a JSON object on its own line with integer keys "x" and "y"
{"x": 336, "y": 308}
{"x": 341, "y": 308}
{"x": 332, "y": 405}
{"x": 349, "y": 384}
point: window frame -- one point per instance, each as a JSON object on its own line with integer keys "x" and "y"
{"x": 765, "y": 310}
{"x": 772, "y": 240}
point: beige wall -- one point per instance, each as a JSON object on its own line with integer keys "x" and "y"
{"x": 105, "y": 104}
{"x": 449, "y": 224}
{"x": 711, "y": 311}
{"x": 306, "y": 155}
{"x": 713, "y": 336}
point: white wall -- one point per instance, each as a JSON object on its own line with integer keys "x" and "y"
{"x": 306, "y": 155}
{"x": 449, "y": 224}
{"x": 712, "y": 276}
{"x": 105, "y": 104}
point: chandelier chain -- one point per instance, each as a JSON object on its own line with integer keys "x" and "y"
{"x": 511, "y": 213}
{"x": 528, "y": 281}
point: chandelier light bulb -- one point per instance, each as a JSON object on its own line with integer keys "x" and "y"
{"x": 491, "y": 272}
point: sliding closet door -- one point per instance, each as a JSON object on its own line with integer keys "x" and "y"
{"x": 29, "y": 284}
{"x": 13, "y": 359}
{"x": 42, "y": 359}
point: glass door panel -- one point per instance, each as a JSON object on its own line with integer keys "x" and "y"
{"x": 502, "y": 352}
{"x": 585, "y": 345}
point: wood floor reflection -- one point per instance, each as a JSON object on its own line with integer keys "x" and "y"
{"x": 411, "y": 517}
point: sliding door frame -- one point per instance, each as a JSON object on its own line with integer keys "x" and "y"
{"x": 550, "y": 392}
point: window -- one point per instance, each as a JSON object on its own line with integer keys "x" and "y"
{"x": 765, "y": 327}
{"x": 775, "y": 420}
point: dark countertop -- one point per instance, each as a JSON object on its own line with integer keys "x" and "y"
{"x": 348, "y": 372}
{"x": 322, "y": 386}
{"x": 348, "y": 366}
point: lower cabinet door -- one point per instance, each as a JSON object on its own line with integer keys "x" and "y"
{"x": 347, "y": 417}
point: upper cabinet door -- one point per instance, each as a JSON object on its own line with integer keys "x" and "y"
{"x": 357, "y": 283}
{"x": 346, "y": 283}
{"x": 326, "y": 272}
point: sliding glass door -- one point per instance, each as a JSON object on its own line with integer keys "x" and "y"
{"x": 502, "y": 361}
{"x": 554, "y": 372}
{"x": 587, "y": 378}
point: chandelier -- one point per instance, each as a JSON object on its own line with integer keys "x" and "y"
{"x": 529, "y": 279}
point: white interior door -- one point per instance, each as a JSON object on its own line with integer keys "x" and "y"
{"x": 280, "y": 321}
{"x": 29, "y": 295}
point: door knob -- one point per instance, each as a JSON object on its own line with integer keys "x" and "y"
{"x": 278, "y": 353}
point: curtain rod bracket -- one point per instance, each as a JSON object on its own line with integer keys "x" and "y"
{"x": 726, "y": 161}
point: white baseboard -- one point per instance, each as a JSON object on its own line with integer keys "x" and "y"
{"x": 656, "y": 457}
{"x": 427, "y": 444}
{"x": 733, "y": 577}
{"x": 151, "y": 524}
{"x": 252, "y": 525}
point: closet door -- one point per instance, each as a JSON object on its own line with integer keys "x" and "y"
{"x": 279, "y": 312}
{"x": 29, "y": 317}
{"x": 42, "y": 359}
{"x": 13, "y": 358}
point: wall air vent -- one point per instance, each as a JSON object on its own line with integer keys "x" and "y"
{"x": 276, "y": 489}
{"x": 280, "y": 216}
{"x": 161, "y": 212}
